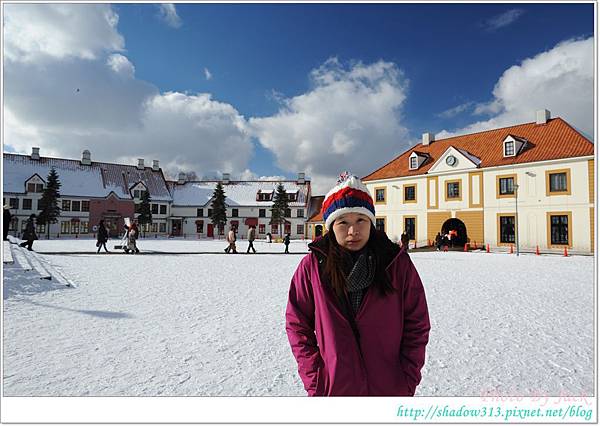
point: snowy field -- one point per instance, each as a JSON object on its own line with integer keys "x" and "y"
{"x": 203, "y": 323}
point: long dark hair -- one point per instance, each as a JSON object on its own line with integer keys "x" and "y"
{"x": 338, "y": 257}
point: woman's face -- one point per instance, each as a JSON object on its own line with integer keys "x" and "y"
{"x": 352, "y": 230}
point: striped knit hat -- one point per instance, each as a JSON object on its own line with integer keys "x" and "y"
{"x": 349, "y": 195}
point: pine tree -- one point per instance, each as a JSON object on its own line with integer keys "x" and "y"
{"x": 144, "y": 210}
{"x": 49, "y": 201}
{"x": 280, "y": 206}
{"x": 219, "y": 211}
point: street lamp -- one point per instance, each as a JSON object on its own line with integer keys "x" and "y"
{"x": 516, "y": 186}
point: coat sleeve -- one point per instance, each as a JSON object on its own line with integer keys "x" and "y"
{"x": 300, "y": 327}
{"x": 416, "y": 327}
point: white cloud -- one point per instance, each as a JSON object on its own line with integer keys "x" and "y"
{"x": 560, "y": 80}
{"x": 504, "y": 19}
{"x": 60, "y": 31}
{"x": 347, "y": 121}
{"x": 250, "y": 175}
{"x": 207, "y": 74}
{"x": 452, "y": 112}
{"x": 70, "y": 102}
{"x": 168, "y": 13}
{"x": 121, "y": 65}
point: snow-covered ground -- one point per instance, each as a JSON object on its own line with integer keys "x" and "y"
{"x": 213, "y": 324}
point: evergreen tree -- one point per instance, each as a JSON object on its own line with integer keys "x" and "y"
{"x": 280, "y": 205}
{"x": 219, "y": 211}
{"x": 144, "y": 210}
{"x": 49, "y": 202}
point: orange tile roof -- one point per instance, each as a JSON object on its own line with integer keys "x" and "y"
{"x": 553, "y": 140}
{"x": 317, "y": 217}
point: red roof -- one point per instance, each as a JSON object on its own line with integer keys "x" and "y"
{"x": 554, "y": 140}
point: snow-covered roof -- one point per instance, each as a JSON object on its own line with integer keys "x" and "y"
{"x": 79, "y": 180}
{"x": 236, "y": 193}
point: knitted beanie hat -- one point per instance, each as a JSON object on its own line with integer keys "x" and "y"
{"x": 349, "y": 195}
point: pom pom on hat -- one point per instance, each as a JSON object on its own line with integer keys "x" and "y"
{"x": 349, "y": 195}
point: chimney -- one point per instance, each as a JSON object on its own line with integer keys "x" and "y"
{"x": 155, "y": 166}
{"x": 181, "y": 178}
{"x": 301, "y": 180}
{"x": 86, "y": 158}
{"x": 225, "y": 178}
{"x": 140, "y": 165}
{"x": 542, "y": 116}
{"x": 35, "y": 153}
{"x": 428, "y": 138}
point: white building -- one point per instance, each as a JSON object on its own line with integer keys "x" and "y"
{"x": 248, "y": 203}
{"x": 533, "y": 182}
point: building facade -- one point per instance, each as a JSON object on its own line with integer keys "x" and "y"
{"x": 531, "y": 184}
{"x": 93, "y": 191}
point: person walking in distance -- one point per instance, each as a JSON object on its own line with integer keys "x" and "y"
{"x": 6, "y": 217}
{"x": 29, "y": 234}
{"x": 231, "y": 238}
{"x": 102, "y": 237}
{"x": 251, "y": 237}
{"x": 356, "y": 318}
{"x": 286, "y": 241}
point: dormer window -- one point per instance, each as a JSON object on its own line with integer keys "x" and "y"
{"x": 509, "y": 149}
{"x": 413, "y": 163}
{"x": 513, "y": 145}
{"x": 416, "y": 160}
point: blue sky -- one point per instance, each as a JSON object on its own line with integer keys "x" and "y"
{"x": 265, "y": 70}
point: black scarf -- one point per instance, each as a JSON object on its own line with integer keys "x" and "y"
{"x": 360, "y": 278}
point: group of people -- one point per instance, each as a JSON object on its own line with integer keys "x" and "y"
{"x": 445, "y": 240}
{"x": 251, "y": 236}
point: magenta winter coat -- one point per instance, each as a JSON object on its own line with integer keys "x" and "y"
{"x": 393, "y": 330}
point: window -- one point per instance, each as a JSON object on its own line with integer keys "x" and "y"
{"x": 300, "y": 213}
{"x": 14, "y": 223}
{"x": 154, "y": 208}
{"x": 274, "y": 229}
{"x": 291, "y": 197}
{"x": 509, "y": 149}
{"x": 85, "y": 227}
{"x": 75, "y": 227}
{"x": 14, "y": 203}
{"x": 379, "y": 195}
{"x": 410, "y": 193}
{"x": 137, "y": 193}
{"x": 506, "y": 186}
{"x": 66, "y": 205}
{"x": 453, "y": 190}
{"x": 200, "y": 212}
{"x": 65, "y": 227}
{"x": 27, "y": 203}
{"x": 40, "y": 229}
{"x": 409, "y": 227}
{"x": 162, "y": 227}
{"x": 262, "y": 212}
{"x": 209, "y": 212}
{"x": 559, "y": 229}
{"x": 413, "y": 163}
{"x": 507, "y": 229}
{"x": 380, "y": 224}
{"x": 558, "y": 182}
{"x": 31, "y": 187}
{"x": 261, "y": 228}
{"x": 287, "y": 213}
{"x": 137, "y": 207}
{"x": 199, "y": 227}
{"x": 163, "y": 209}
{"x": 265, "y": 196}
{"x": 39, "y": 187}
{"x": 85, "y": 206}
{"x": 234, "y": 212}
{"x": 155, "y": 227}
{"x": 300, "y": 229}
{"x": 76, "y": 206}
{"x": 287, "y": 228}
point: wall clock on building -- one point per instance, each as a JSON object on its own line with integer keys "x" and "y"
{"x": 451, "y": 160}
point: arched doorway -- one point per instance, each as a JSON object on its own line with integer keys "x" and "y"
{"x": 461, "y": 231}
{"x": 318, "y": 230}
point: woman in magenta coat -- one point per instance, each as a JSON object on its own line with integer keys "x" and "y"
{"x": 356, "y": 318}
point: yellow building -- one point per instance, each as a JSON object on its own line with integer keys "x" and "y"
{"x": 531, "y": 184}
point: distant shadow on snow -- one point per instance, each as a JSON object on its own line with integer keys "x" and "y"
{"x": 101, "y": 314}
